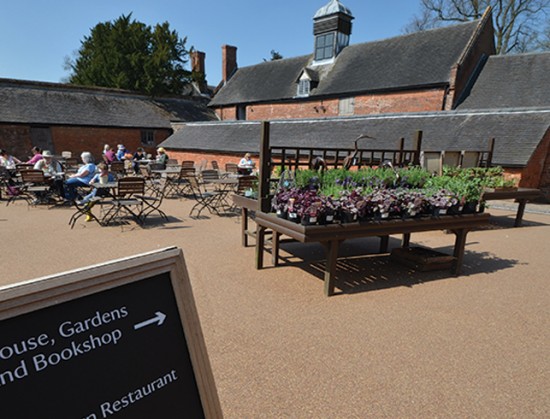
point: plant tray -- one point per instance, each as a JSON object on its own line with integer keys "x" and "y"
{"x": 422, "y": 259}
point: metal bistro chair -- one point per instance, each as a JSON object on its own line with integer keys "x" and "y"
{"x": 35, "y": 187}
{"x": 117, "y": 168}
{"x": 204, "y": 200}
{"x": 70, "y": 165}
{"x": 153, "y": 201}
{"x": 126, "y": 201}
{"x": 179, "y": 185}
{"x": 232, "y": 168}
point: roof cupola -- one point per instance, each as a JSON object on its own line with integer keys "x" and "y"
{"x": 332, "y": 29}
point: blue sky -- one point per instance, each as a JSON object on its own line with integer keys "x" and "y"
{"x": 37, "y": 35}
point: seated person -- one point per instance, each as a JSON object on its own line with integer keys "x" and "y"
{"x": 138, "y": 155}
{"x": 162, "y": 157}
{"x": 37, "y": 155}
{"x": 48, "y": 164}
{"x": 103, "y": 176}
{"x": 121, "y": 153}
{"x": 246, "y": 165}
{"x": 80, "y": 178}
{"x": 109, "y": 155}
{"x": 9, "y": 162}
{"x": 51, "y": 168}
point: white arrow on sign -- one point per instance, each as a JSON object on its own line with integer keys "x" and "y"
{"x": 158, "y": 319}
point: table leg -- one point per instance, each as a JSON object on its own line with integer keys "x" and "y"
{"x": 275, "y": 248}
{"x": 460, "y": 243}
{"x": 406, "y": 240}
{"x": 384, "y": 241}
{"x": 519, "y": 214}
{"x": 260, "y": 239}
{"x": 330, "y": 268}
{"x": 244, "y": 226}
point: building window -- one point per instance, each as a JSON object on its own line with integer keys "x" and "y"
{"x": 324, "y": 46}
{"x": 304, "y": 87}
{"x": 241, "y": 113}
{"x": 346, "y": 106}
{"x": 148, "y": 138}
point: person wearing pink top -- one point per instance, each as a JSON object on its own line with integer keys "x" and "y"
{"x": 37, "y": 155}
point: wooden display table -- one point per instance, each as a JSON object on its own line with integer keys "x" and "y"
{"x": 332, "y": 235}
{"x": 246, "y": 204}
{"x": 521, "y": 195}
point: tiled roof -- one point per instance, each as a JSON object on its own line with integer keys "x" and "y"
{"x": 511, "y": 81}
{"x": 416, "y": 60}
{"x": 58, "y": 104}
{"x": 517, "y": 133}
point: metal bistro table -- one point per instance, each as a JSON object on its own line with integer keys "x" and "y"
{"x": 332, "y": 235}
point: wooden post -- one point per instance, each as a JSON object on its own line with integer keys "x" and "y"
{"x": 417, "y": 143}
{"x": 489, "y": 161}
{"x": 400, "y": 155}
{"x": 264, "y": 203}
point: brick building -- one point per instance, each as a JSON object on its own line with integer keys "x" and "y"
{"x": 446, "y": 82}
{"x": 423, "y": 71}
{"x": 60, "y": 117}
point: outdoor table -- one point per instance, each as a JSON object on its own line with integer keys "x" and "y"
{"x": 521, "y": 195}
{"x": 173, "y": 170}
{"x": 332, "y": 235}
{"x": 247, "y": 204}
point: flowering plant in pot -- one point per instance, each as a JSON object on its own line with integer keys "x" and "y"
{"x": 411, "y": 203}
{"x": 441, "y": 201}
{"x": 347, "y": 209}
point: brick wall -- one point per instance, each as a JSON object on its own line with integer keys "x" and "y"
{"x": 16, "y": 139}
{"x": 414, "y": 101}
{"x": 537, "y": 172}
{"x": 206, "y": 158}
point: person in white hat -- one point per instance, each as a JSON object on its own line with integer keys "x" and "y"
{"x": 48, "y": 164}
{"x": 51, "y": 168}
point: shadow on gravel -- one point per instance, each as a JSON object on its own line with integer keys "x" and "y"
{"x": 361, "y": 269}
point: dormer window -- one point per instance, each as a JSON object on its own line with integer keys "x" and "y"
{"x": 324, "y": 46}
{"x": 304, "y": 87}
{"x": 309, "y": 79}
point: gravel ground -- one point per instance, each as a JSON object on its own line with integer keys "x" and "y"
{"x": 392, "y": 343}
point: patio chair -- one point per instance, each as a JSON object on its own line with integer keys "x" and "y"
{"x": 204, "y": 200}
{"x": 35, "y": 188}
{"x": 117, "y": 168}
{"x": 125, "y": 202}
{"x": 70, "y": 164}
{"x": 215, "y": 165}
{"x": 179, "y": 185}
{"x": 232, "y": 168}
{"x": 208, "y": 176}
{"x": 190, "y": 164}
{"x": 153, "y": 201}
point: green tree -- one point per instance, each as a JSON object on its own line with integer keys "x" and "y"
{"x": 517, "y": 23}
{"x": 128, "y": 54}
{"x": 275, "y": 55}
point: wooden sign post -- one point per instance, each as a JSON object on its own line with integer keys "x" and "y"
{"x": 120, "y": 339}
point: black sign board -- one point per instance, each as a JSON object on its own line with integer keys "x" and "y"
{"x": 117, "y": 340}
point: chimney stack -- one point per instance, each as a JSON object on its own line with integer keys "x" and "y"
{"x": 197, "y": 62}
{"x": 229, "y": 62}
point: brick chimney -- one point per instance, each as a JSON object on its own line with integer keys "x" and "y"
{"x": 197, "y": 61}
{"x": 229, "y": 62}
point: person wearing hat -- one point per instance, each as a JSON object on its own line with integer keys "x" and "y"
{"x": 121, "y": 152}
{"x": 48, "y": 164}
{"x": 162, "y": 157}
{"x": 51, "y": 168}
